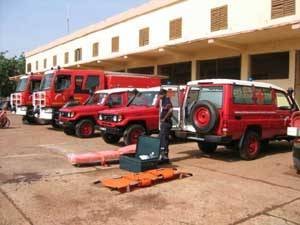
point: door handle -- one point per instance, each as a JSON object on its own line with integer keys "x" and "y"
{"x": 238, "y": 117}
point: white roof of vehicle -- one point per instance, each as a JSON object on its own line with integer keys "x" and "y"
{"x": 149, "y": 89}
{"x": 114, "y": 90}
{"x": 238, "y": 82}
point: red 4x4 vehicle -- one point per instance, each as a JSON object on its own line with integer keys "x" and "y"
{"x": 140, "y": 116}
{"x": 235, "y": 113}
{"x": 81, "y": 120}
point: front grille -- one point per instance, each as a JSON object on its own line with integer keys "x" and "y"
{"x": 63, "y": 114}
{"x": 106, "y": 117}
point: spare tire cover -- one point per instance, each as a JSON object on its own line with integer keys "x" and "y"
{"x": 204, "y": 116}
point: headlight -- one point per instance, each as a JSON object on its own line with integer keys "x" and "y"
{"x": 71, "y": 114}
{"x": 100, "y": 117}
{"x": 117, "y": 118}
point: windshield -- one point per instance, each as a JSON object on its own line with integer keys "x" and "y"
{"x": 145, "y": 99}
{"x": 46, "y": 81}
{"x": 97, "y": 99}
{"x": 21, "y": 85}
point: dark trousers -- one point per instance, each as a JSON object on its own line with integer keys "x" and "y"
{"x": 165, "y": 128}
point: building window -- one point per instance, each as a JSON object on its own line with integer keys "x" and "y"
{"x": 229, "y": 68}
{"x": 36, "y": 65}
{"x": 281, "y": 8}
{"x": 144, "y": 37}
{"x": 219, "y": 18}
{"x": 95, "y": 49}
{"x": 66, "y": 57}
{"x": 115, "y": 44}
{"x": 28, "y": 67}
{"x": 54, "y": 60}
{"x": 78, "y": 54}
{"x": 178, "y": 73}
{"x": 175, "y": 29}
{"x": 45, "y": 63}
{"x": 270, "y": 66}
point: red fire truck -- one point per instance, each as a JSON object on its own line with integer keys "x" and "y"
{"x": 21, "y": 100}
{"x": 62, "y": 85}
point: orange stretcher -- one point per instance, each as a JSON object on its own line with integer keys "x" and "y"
{"x": 148, "y": 178}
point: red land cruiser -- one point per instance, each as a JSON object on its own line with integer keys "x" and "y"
{"x": 140, "y": 116}
{"x": 236, "y": 113}
{"x": 81, "y": 120}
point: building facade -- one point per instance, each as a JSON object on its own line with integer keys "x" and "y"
{"x": 188, "y": 40}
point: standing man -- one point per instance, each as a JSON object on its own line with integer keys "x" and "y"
{"x": 165, "y": 125}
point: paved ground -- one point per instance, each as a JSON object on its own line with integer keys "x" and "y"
{"x": 39, "y": 186}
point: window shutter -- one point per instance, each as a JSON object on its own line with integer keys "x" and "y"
{"x": 54, "y": 60}
{"x": 95, "y": 49}
{"x": 78, "y": 54}
{"x": 45, "y": 63}
{"x": 281, "y": 8}
{"x": 175, "y": 29}
{"x": 144, "y": 37}
{"x": 36, "y": 65}
{"x": 66, "y": 57}
{"x": 28, "y": 67}
{"x": 115, "y": 44}
{"x": 219, "y": 18}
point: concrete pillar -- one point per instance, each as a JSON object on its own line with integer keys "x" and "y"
{"x": 156, "y": 69}
{"x": 292, "y": 68}
{"x": 194, "y": 70}
{"x": 245, "y": 66}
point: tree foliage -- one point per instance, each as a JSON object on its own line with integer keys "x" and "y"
{"x": 10, "y": 67}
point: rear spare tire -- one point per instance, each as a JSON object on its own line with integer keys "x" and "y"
{"x": 204, "y": 116}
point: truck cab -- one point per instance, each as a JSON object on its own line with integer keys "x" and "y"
{"x": 59, "y": 86}
{"x": 21, "y": 100}
{"x": 81, "y": 120}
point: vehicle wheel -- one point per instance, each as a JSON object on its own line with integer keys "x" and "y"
{"x": 27, "y": 120}
{"x": 110, "y": 138}
{"x": 132, "y": 133}
{"x": 54, "y": 124}
{"x": 85, "y": 128}
{"x": 69, "y": 131}
{"x": 204, "y": 116}
{"x": 250, "y": 147}
{"x": 41, "y": 121}
{"x": 207, "y": 147}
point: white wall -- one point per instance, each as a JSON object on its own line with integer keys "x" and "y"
{"x": 242, "y": 15}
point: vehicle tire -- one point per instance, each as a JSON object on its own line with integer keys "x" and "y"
{"x": 296, "y": 156}
{"x": 132, "y": 133}
{"x": 204, "y": 116}
{"x": 69, "y": 131}
{"x": 250, "y": 146}
{"x": 110, "y": 138}
{"x": 41, "y": 121}
{"x": 207, "y": 147}
{"x": 27, "y": 120}
{"x": 85, "y": 128}
{"x": 54, "y": 124}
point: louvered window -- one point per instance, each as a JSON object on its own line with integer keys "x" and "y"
{"x": 176, "y": 29}
{"x": 115, "y": 44}
{"x": 28, "y": 67}
{"x": 45, "y": 63}
{"x": 144, "y": 37}
{"x": 219, "y": 18}
{"x": 66, "y": 57}
{"x": 54, "y": 60}
{"x": 95, "y": 49}
{"x": 36, "y": 65}
{"x": 281, "y": 8}
{"x": 78, "y": 54}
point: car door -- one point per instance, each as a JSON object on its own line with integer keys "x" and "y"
{"x": 283, "y": 112}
